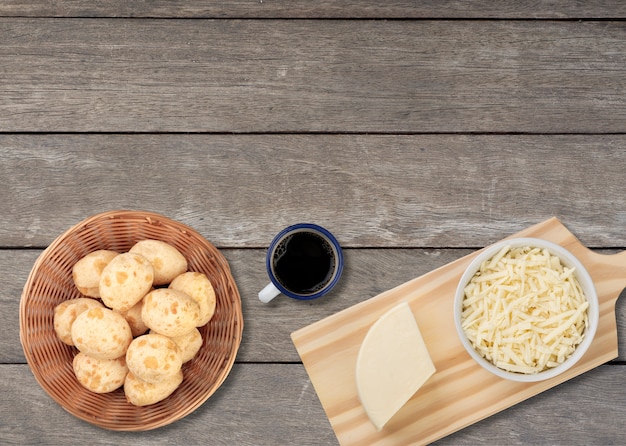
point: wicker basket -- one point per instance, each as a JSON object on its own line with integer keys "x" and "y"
{"x": 50, "y": 282}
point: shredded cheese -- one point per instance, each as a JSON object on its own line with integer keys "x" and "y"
{"x": 524, "y": 311}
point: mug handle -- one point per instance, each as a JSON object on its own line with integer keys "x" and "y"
{"x": 268, "y": 293}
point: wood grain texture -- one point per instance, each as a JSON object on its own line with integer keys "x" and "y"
{"x": 239, "y": 413}
{"x": 367, "y": 273}
{"x": 425, "y": 130}
{"x": 460, "y": 392}
{"x": 115, "y": 75}
{"x": 370, "y": 190}
{"x": 557, "y": 416}
{"x": 318, "y": 9}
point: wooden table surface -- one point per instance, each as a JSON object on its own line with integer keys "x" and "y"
{"x": 417, "y": 132}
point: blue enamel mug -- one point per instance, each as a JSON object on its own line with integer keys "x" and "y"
{"x": 304, "y": 261}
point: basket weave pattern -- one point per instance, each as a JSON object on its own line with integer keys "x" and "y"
{"x": 50, "y": 282}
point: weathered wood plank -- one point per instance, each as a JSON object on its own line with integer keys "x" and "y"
{"x": 112, "y": 75}
{"x": 372, "y": 191}
{"x": 318, "y": 9}
{"x": 238, "y": 413}
{"x": 266, "y": 338}
{"x": 583, "y": 411}
{"x": 267, "y": 327}
{"x": 16, "y": 265}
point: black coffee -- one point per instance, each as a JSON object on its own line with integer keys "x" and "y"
{"x": 304, "y": 263}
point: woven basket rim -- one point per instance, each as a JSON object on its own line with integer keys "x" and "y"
{"x": 47, "y": 283}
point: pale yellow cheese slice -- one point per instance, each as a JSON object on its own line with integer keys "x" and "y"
{"x": 393, "y": 363}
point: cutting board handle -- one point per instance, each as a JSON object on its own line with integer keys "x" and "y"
{"x": 619, "y": 259}
{"x": 609, "y": 272}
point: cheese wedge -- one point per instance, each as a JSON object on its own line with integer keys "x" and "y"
{"x": 393, "y": 363}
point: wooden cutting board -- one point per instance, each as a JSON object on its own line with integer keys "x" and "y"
{"x": 460, "y": 392}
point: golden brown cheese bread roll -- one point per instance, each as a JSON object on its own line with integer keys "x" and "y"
{"x": 99, "y": 375}
{"x": 142, "y": 393}
{"x": 87, "y": 271}
{"x": 170, "y": 312}
{"x": 101, "y": 333}
{"x": 166, "y": 260}
{"x": 133, "y": 317}
{"x": 125, "y": 281}
{"x": 198, "y": 286}
{"x": 189, "y": 344}
{"x": 66, "y": 312}
{"x": 153, "y": 357}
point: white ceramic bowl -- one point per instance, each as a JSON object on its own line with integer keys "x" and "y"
{"x": 569, "y": 260}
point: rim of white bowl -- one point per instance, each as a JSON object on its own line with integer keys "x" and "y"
{"x": 569, "y": 260}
